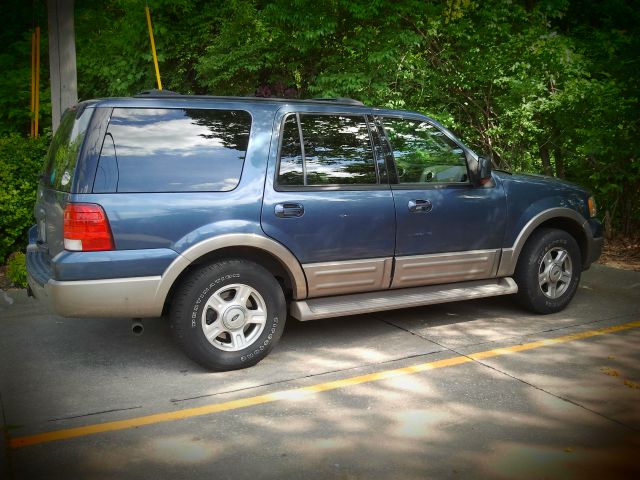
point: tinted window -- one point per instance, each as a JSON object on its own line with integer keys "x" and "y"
{"x": 337, "y": 151}
{"x": 424, "y": 154}
{"x": 173, "y": 150}
{"x": 291, "y": 172}
{"x": 64, "y": 149}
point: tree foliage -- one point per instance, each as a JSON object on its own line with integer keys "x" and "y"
{"x": 21, "y": 160}
{"x": 548, "y": 86}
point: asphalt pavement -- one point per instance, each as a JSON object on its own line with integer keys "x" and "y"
{"x": 477, "y": 389}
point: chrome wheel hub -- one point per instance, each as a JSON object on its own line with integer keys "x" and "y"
{"x": 234, "y": 317}
{"x": 555, "y": 273}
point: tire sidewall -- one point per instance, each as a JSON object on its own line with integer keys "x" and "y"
{"x": 210, "y": 280}
{"x": 547, "y": 241}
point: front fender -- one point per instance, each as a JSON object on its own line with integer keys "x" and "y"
{"x": 510, "y": 255}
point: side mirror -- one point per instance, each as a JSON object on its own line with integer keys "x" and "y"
{"x": 484, "y": 170}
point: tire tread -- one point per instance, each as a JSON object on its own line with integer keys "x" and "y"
{"x": 526, "y": 275}
{"x": 182, "y": 302}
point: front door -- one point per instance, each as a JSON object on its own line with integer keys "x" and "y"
{"x": 448, "y": 229}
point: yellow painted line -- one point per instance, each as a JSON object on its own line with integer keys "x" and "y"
{"x": 298, "y": 393}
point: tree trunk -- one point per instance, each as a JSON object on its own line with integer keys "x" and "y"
{"x": 544, "y": 156}
{"x": 557, "y": 153}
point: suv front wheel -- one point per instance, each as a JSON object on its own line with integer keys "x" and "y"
{"x": 548, "y": 271}
{"x": 228, "y": 315}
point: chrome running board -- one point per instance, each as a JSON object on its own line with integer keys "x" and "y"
{"x": 357, "y": 303}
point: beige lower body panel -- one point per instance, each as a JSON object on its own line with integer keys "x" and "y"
{"x": 331, "y": 278}
{"x": 118, "y": 297}
{"x": 445, "y": 268}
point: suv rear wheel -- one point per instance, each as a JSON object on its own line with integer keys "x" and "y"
{"x": 548, "y": 271}
{"x": 228, "y": 315}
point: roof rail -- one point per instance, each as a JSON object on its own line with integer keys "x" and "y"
{"x": 348, "y": 101}
{"x": 154, "y": 92}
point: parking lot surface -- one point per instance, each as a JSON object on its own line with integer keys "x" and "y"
{"x": 474, "y": 389}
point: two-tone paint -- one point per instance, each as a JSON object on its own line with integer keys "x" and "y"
{"x": 339, "y": 240}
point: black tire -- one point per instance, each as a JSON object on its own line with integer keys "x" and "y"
{"x": 548, "y": 280}
{"x": 212, "y": 298}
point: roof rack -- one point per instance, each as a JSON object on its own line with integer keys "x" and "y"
{"x": 154, "y": 92}
{"x": 348, "y": 101}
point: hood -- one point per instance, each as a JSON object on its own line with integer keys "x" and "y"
{"x": 541, "y": 180}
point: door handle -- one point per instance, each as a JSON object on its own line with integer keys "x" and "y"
{"x": 288, "y": 210}
{"x": 419, "y": 205}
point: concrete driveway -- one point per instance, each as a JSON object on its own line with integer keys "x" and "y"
{"x": 476, "y": 389}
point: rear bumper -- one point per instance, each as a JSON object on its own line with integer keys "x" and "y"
{"x": 119, "y": 297}
{"x": 111, "y": 297}
{"x": 36, "y": 289}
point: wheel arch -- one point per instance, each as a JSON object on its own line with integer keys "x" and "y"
{"x": 564, "y": 219}
{"x": 256, "y": 248}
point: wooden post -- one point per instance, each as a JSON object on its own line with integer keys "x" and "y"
{"x": 62, "y": 59}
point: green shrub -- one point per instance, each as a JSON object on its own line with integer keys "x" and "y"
{"x": 21, "y": 161}
{"x": 17, "y": 269}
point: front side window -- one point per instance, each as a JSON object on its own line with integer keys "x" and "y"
{"x": 326, "y": 150}
{"x": 423, "y": 153}
{"x": 173, "y": 150}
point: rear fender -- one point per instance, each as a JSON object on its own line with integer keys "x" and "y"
{"x": 260, "y": 242}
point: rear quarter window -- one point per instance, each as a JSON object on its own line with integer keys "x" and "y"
{"x": 64, "y": 149}
{"x": 173, "y": 150}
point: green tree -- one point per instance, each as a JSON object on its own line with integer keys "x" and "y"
{"x": 548, "y": 86}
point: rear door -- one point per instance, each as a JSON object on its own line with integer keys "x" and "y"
{"x": 327, "y": 200}
{"x": 448, "y": 229}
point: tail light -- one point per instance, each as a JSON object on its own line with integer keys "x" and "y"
{"x": 86, "y": 228}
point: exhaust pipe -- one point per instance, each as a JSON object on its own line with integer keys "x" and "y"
{"x": 136, "y": 327}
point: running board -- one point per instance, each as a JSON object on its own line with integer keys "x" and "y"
{"x": 316, "y": 308}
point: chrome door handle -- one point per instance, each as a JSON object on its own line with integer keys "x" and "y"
{"x": 288, "y": 210}
{"x": 419, "y": 205}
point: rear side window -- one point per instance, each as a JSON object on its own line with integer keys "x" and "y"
{"x": 64, "y": 149}
{"x": 173, "y": 150}
{"x": 326, "y": 150}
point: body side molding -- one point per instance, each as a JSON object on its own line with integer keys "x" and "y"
{"x": 331, "y": 278}
{"x": 418, "y": 270}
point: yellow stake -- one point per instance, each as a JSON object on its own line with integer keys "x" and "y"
{"x": 33, "y": 79}
{"x": 37, "y": 88}
{"x": 153, "y": 47}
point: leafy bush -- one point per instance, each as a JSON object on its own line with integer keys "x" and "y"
{"x": 21, "y": 161}
{"x": 17, "y": 269}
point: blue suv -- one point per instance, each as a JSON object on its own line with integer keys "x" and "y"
{"x": 229, "y": 214}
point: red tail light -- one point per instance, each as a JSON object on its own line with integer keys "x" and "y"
{"x": 86, "y": 228}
